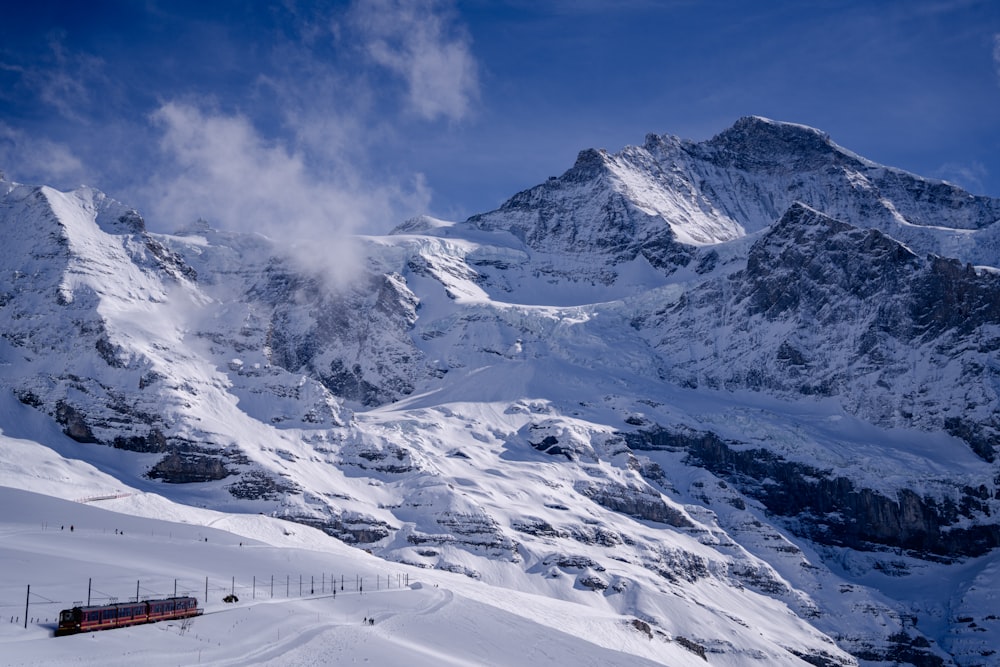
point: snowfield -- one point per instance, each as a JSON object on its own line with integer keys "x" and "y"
{"x": 78, "y": 526}
{"x": 435, "y": 619}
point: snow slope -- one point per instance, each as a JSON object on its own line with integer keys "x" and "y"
{"x": 716, "y": 391}
{"x": 432, "y": 620}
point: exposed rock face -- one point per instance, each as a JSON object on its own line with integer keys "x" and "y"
{"x": 323, "y": 332}
{"x": 824, "y": 308}
{"x": 360, "y": 530}
{"x": 479, "y": 532}
{"x": 831, "y": 509}
{"x": 644, "y": 503}
{"x": 256, "y": 484}
{"x": 187, "y": 468}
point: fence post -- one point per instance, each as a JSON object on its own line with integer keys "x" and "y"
{"x": 27, "y": 599}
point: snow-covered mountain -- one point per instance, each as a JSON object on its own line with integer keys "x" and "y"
{"x": 744, "y": 390}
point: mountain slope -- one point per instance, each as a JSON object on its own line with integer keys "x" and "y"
{"x": 687, "y": 382}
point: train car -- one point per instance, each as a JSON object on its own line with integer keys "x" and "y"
{"x": 104, "y": 617}
{"x": 181, "y": 607}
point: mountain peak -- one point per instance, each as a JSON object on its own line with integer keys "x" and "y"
{"x": 590, "y": 163}
{"x": 766, "y": 128}
{"x": 754, "y": 141}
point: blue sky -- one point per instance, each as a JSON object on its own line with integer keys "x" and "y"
{"x": 270, "y": 115}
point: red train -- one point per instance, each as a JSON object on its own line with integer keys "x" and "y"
{"x": 106, "y": 616}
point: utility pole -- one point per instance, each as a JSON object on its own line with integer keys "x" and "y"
{"x": 27, "y": 600}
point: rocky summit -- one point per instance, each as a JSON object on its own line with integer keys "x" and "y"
{"x": 743, "y": 390}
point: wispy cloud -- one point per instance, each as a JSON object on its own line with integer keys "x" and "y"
{"x": 996, "y": 55}
{"x": 61, "y": 79}
{"x": 970, "y": 177}
{"x": 221, "y": 169}
{"x": 416, "y": 41}
{"x": 313, "y": 178}
{"x": 301, "y": 130}
{"x": 37, "y": 159}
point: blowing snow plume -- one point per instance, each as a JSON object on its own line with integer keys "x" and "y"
{"x": 227, "y": 173}
{"x": 308, "y": 182}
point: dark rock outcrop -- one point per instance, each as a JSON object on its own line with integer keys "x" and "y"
{"x": 834, "y": 510}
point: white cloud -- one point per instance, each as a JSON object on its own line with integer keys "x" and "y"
{"x": 39, "y": 160}
{"x": 224, "y": 171}
{"x": 996, "y": 54}
{"x": 62, "y": 79}
{"x": 416, "y": 41}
